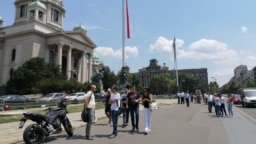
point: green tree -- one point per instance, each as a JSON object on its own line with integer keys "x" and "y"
{"x": 214, "y": 87}
{"x": 250, "y": 83}
{"x": 161, "y": 84}
{"x": 24, "y": 79}
{"x": 109, "y": 77}
{"x": 188, "y": 82}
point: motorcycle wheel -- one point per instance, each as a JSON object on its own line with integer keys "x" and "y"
{"x": 68, "y": 127}
{"x": 33, "y": 135}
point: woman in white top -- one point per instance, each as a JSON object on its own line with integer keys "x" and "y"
{"x": 218, "y": 105}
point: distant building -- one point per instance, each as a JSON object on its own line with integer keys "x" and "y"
{"x": 242, "y": 75}
{"x": 37, "y": 31}
{"x": 145, "y": 74}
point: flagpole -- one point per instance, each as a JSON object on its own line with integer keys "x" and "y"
{"x": 175, "y": 63}
{"x": 123, "y": 32}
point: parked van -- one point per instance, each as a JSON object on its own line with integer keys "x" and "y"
{"x": 248, "y": 96}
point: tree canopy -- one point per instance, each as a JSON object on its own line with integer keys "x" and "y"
{"x": 24, "y": 79}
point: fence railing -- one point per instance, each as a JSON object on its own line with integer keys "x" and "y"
{"x": 26, "y": 105}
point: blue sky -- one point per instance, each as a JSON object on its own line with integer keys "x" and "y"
{"x": 214, "y": 34}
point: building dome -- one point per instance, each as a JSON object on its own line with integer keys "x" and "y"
{"x": 96, "y": 59}
{"x": 95, "y": 56}
{"x": 37, "y": 4}
{"x": 79, "y": 27}
{"x": 59, "y": 1}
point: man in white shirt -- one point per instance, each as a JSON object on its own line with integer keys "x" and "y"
{"x": 89, "y": 101}
{"x": 209, "y": 101}
{"x": 115, "y": 104}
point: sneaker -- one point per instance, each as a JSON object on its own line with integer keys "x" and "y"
{"x": 89, "y": 138}
{"x": 123, "y": 125}
{"x": 137, "y": 131}
{"x": 145, "y": 133}
{"x": 133, "y": 130}
{"x": 111, "y": 136}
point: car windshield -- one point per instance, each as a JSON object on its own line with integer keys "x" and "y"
{"x": 73, "y": 94}
{"x": 49, "y": 95}
{"x": 237, "y": 96}
{"x": 250, "y": 93}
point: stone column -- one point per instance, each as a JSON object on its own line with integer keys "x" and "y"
{"x": 83, "y": 69}
{"x": 36, "y": 15}
{"x": 47, "y": 53}
{"x": 69, "y": 69}
{"x": 59, "y": 60}
{"x": 89, "y": 67}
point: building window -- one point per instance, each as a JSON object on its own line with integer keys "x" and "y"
{"x": 11, "y": 71}
{"x": 32, "y": 14}
{"x": 51, "y": 57}
{"x": 75, "y": 63}
{"x": 13, "y": 54}
{"x": 40, "y": 15}
{"x": 23, "y": 10}
{"x": 55, "y": 15}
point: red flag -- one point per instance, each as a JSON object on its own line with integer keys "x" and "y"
{"x": 127, "y": 20}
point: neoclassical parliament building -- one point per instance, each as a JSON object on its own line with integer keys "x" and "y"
{"x": 37, "y": 31}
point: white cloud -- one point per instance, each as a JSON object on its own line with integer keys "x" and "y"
{"x": 108, "y": 51}
{"x": 208, "y": 49}
{"x": 244, "y": 29}
{"x": 250, "y": 61}
{"x": 204, "y": 49}
{"x": 162, "y": 44}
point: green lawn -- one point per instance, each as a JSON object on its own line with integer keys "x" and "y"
{"x": 71, "y": 109}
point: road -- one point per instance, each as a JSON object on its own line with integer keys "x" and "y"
{"x": 174, "y": 124}
{"x": 250, "y": 111}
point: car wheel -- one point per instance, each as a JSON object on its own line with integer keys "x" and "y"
{"x": 245, "y": 105}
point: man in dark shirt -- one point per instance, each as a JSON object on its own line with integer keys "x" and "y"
{"x": 133, "y": 99}
{"x": 126, "y": 111}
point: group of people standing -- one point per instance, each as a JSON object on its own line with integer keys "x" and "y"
{"x": 184, "y": 96}
{"x": 218, "y": 102}
{"x": 129, "y": 100}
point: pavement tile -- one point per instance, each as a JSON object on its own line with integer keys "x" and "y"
{"x": 10, "y": 132}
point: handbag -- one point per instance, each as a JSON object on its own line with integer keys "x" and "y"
{"x": 84, "y": 114}
{"x": 150, "y": 107}
{"x": 153, "y": 106}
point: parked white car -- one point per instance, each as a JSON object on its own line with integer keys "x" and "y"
{"x": 76, "y": 96}
{"x": 52, "y": 97}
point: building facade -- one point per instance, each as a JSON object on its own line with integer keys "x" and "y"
{"x": 37, "y": 31}
{"x": 242, "y": 75}
{"x": 145, "y": 74}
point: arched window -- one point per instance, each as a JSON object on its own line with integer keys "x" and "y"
{"x": 13, "y": 54}
{"x": 51, "y": 57}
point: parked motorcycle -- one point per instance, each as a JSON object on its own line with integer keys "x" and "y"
{"x": 47, "y": 124}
